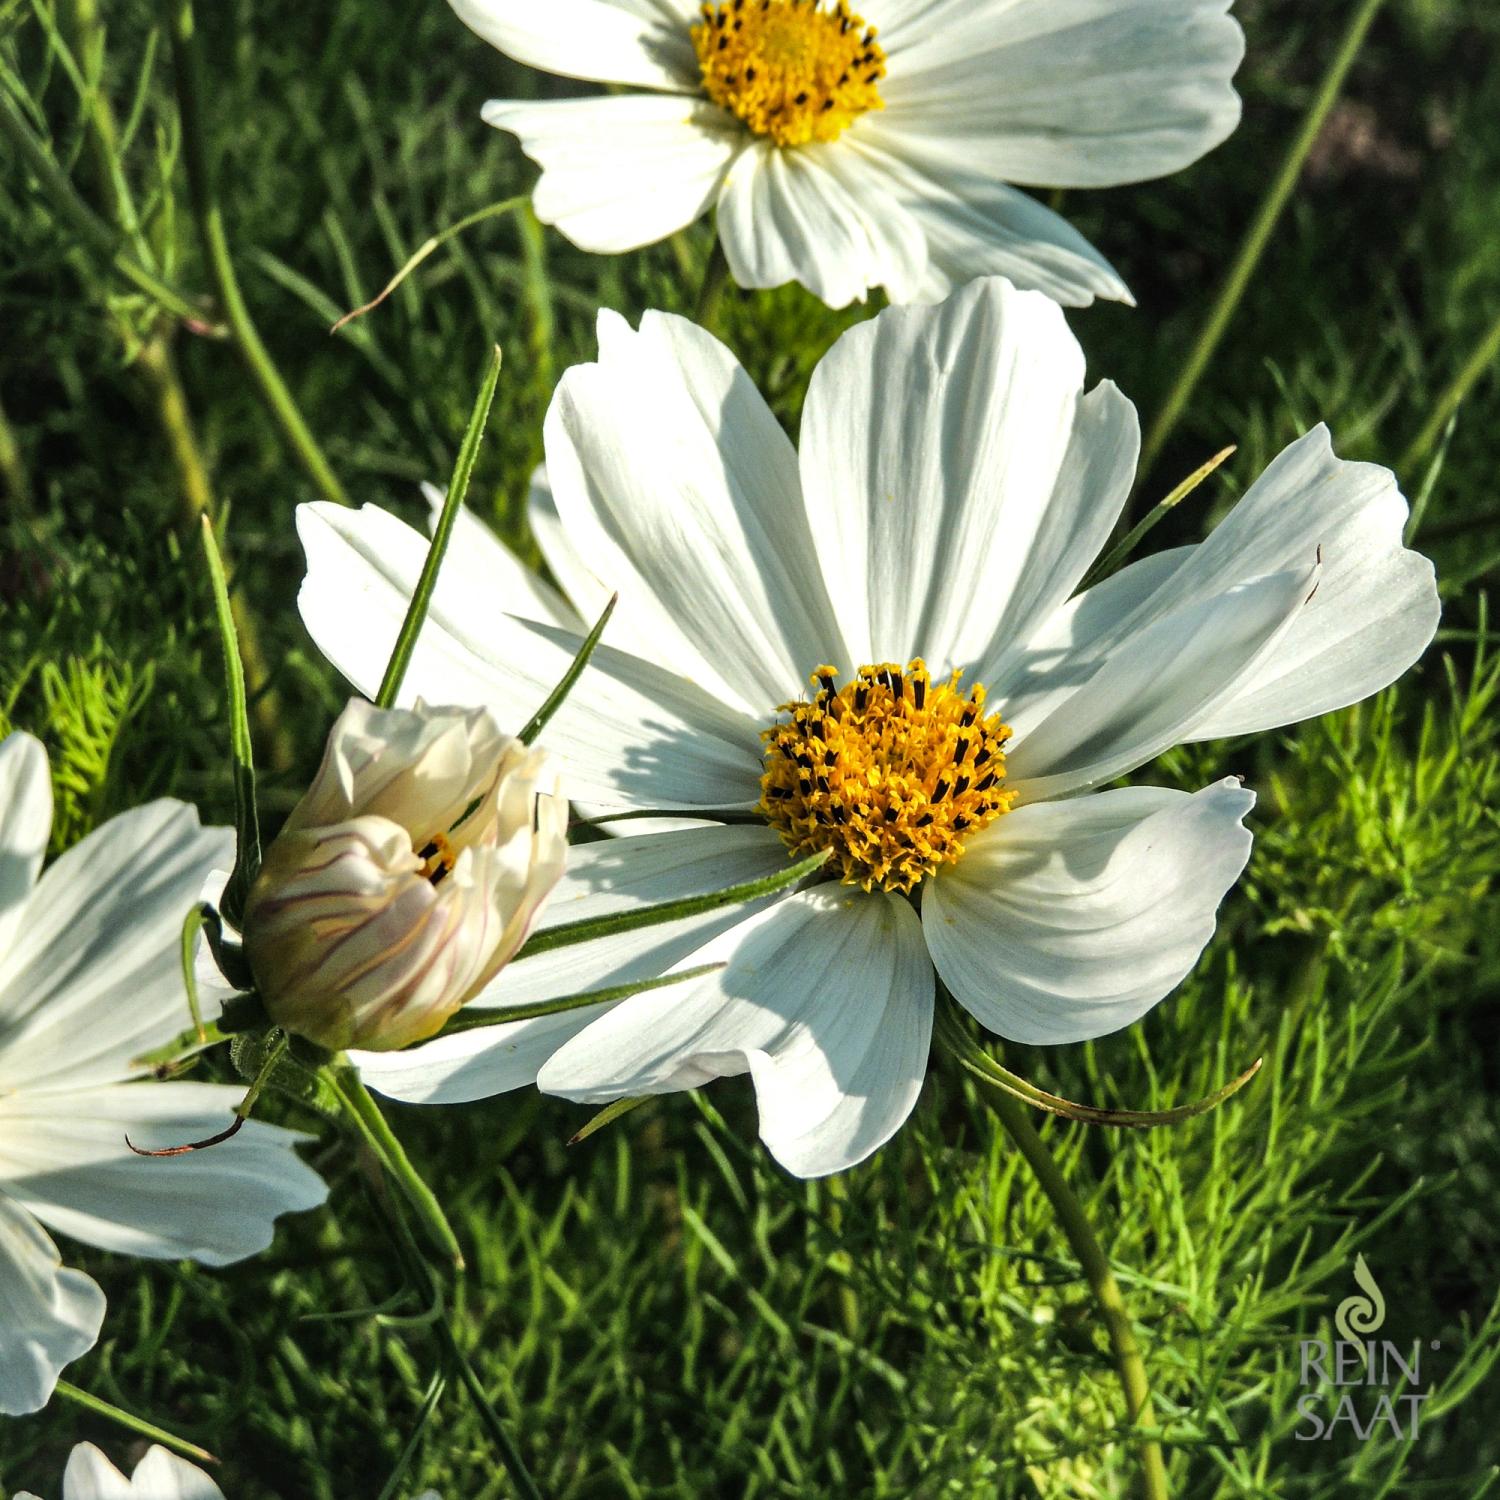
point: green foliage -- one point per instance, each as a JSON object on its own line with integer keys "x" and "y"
{"x": 660, "y": 1312}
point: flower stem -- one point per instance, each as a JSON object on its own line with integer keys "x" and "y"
{"x": 1258, "y": 236}
{"x": 187, "y": 57}
{"x": 360, "y": 1105}
{"x": 1485, "y": 353}
{"x": 373, "y": 1128}
{"x": 711, "y": 289}
{"x": 1101, "y": 1279}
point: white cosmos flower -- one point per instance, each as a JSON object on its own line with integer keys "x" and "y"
{"x": 159, "y": 1476}
{"x": 953, "y": 486}
{"x": 846, "y": 160}
{"x": 89, "y": 980}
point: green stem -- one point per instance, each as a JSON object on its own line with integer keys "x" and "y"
{"x": 1486, "y": 351}
{"x": 711, "y": 289}
{"x": 509, "y": 1455}
{"x": 374, "y": 1129}
{"x": 1258, "y": 236}
{"x": 1101, "y": 1279}
{"x": 188, "y": 69}
{"x": 96, "y": 1404}
{"x": 421, "y": 1273}
{"x": 103, "y": 240}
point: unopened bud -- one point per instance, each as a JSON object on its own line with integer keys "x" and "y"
{"x": 406, "y": 877}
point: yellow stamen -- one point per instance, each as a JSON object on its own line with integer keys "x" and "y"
{"x": 788, "y": 68}
{"x": 438, "y": 859}
{"x": 893, "y": 772}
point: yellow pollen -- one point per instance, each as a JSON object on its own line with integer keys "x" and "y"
{"x": 788, "y": 68}
{"x": 438, "y": 859}
{"x": 893, "y": 772}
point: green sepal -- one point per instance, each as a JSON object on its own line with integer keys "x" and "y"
{"x": 555, "y": 699}
{"x": 589, "y": 928}
{"x": 458, "y": 487}
{"x": 244, "y": 1015}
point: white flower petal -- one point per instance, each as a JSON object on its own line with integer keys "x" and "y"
{"x": 630, "y": 734}
{"x": 1376, "y": 608}
{"x": 817, "y": 216}
{"x": 976, "y": 225}
{"x": 601, "y": 878}
{"x": 586, "y": 592}
{"x": 827, "y": 1001}
{"x": 646, "y": 42}
{"x": 1143, "y": 700}
{"x": 619, "y": 172}
{"x": 63, "y": 1156}
{"x": 1069, "y": 920}
{"x": 483, "y": 564}
{"x": 958, "y": 482}
{"x": 25, "y": 824}
{"x": 163, "y": 1476}
{"x": 1067, "y": 93}
{"x": 94, "y": 975}
{"x": 664, "y": 455}
{"x": 159, "y": 1476}
{"x": 91, "y": 1476}
{"x": 49, "y": 1315}
{"x": 1029, "y": 675}
{"x": 1374, "y": 612}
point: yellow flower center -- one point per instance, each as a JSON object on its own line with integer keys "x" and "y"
{"x": 788, "y": 68}
{"x": 893, "y": 772}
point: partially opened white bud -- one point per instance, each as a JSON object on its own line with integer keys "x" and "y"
{"x": 406, "y": 877}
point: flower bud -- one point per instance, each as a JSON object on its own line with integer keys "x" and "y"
{"x": 406, "y": 877}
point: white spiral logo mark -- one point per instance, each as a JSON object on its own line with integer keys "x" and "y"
{"x": 1359, "y": 1315}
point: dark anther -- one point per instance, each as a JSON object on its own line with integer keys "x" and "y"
{"x": 960, "y": 786}
{"x": 827, "y": 105}
{"x": 986, "y": 784}
{"x": 981, "y": 755}
{"x": 861, "y": 697}
{"x": 826, "y": 678}
{"x": 940, "y": 791}
{"x": 960, "y": 823}
{"x": 919, "y": 691}
{"x": 427, "y": 850}
{"x": 804, "y": 760}
{"x": 924, "y": 820}
{"x": 801, "y": 98}
{"x": 778, "y": 793}
{"x": 839, "y": 815}
{"x": 823, "y": 784}
{"x": 804, "y": 785}
{"x": 960, "y": 748}
{"x": 830, "y": 758}
{"x": 891, "y": 814}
